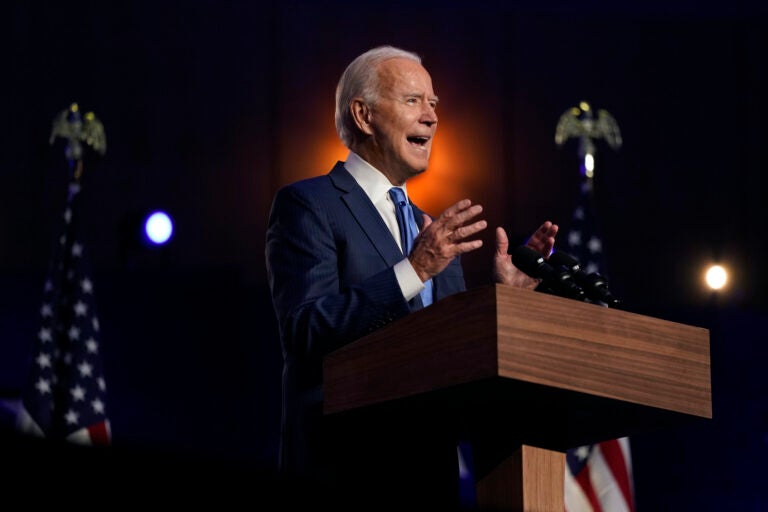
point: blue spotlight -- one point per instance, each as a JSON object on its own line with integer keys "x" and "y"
{"x": 158, "y": 228}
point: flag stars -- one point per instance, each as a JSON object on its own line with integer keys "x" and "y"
{"x": 595, "y": 245}
{"x": 86, "y": 285}
{"x": 574, "y": 238}
{"x": 43, "y": 386}
{"x": 43, "y": 360}
{"x": 582, "y": 452}
{"x": 73, "y": 333}
{"x": 91, "y": 345}
{"x": 98, "y": 406}
{"x": 85, "y": 369}
{"x": 80, "y": 308}
{"x": 45, "y": 335}
{"x": 67, "y": 378}
{"x": 71, "y": 417}
{"x": 78, "y": 393}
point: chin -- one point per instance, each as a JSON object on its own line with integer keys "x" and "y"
{"x": 419, "y": 169}
{"x": 420, "y": 165}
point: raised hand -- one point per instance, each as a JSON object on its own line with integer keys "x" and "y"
{"x": 543, "y": 239}
{"x": 505, "y": 272}
{"x": 444, "y": 238}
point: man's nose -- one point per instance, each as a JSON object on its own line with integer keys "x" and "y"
{"x": 429, "y": 116}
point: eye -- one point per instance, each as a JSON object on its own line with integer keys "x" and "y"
{"x": 411, "y": 101}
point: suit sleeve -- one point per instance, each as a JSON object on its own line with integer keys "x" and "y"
{"x": 317, "y": 313}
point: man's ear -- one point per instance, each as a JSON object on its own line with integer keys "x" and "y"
{"x": 361, "y": 113}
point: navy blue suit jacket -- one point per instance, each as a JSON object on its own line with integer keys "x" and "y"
{"x": 330, "y": 260}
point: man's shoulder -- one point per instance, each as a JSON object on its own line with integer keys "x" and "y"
{"x": 336, "y": 177}
{"x": 310, "y": 182}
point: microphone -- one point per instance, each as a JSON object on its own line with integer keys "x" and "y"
{"x": 559, "y": 280}
{"x": 594, "y": 285}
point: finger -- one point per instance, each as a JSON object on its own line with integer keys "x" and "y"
{"x": 552, "y": 230}
{"x": 543, "y": 232}
{"x": 456, "y": 208}
{"x": 461, "y": 205}
{"x": 459, "y": 213}
{"x": 462, "y": 232}
{"x": 548, "y": 242}
{"x": 465, "y": 247}
{"x": 502, "y": 242}
{"x": 543, "y": 239}
{"x": 426, "y": 221}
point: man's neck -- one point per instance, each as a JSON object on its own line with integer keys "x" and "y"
{"x": 371, "y": 159}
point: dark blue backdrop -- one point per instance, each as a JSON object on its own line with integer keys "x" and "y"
{"x": 201, "y": 99}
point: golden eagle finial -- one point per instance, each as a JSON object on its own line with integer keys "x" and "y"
{"x": 70, "y": 124}
{"x": 581, "y": 122}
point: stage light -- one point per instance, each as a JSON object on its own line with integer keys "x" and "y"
{"x": 716, "y": 277}
{"x": 158, "y": 228}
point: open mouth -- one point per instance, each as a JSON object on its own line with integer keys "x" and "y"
{"x": 418, "y": 140}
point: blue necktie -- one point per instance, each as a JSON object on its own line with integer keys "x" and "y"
{"x": 408, "y": 231}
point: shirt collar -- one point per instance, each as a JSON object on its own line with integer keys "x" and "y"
{"x": 372, "y": 181}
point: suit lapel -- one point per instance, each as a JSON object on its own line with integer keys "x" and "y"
{"x": 365, "y": 214}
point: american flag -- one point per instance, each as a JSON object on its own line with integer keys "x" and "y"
{"x": 598, "y": 477}
{"x": 65, "y": 397}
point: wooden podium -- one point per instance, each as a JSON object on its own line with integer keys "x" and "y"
{"x": 524, "y": 376}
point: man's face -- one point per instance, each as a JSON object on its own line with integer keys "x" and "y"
{"x": 403, "y": 119}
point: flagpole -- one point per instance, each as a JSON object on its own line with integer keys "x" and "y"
{"x": 597, "y": 476}
{"x": 587, "y": 125}
{"x": 66, "y": 392}
{"x": 78, "y": 129}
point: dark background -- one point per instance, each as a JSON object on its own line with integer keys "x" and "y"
{"x": 210, "y": 106}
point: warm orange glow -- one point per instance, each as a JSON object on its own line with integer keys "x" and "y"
{"x": 461, "y": 163}
{"x": 316, "y": 153}
{"x": 329, "y": 151}
{"x": 315, "y": 157}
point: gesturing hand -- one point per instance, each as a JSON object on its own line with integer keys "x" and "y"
{"x": 505, "y": 272}
{"x": 444, "y": 238}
